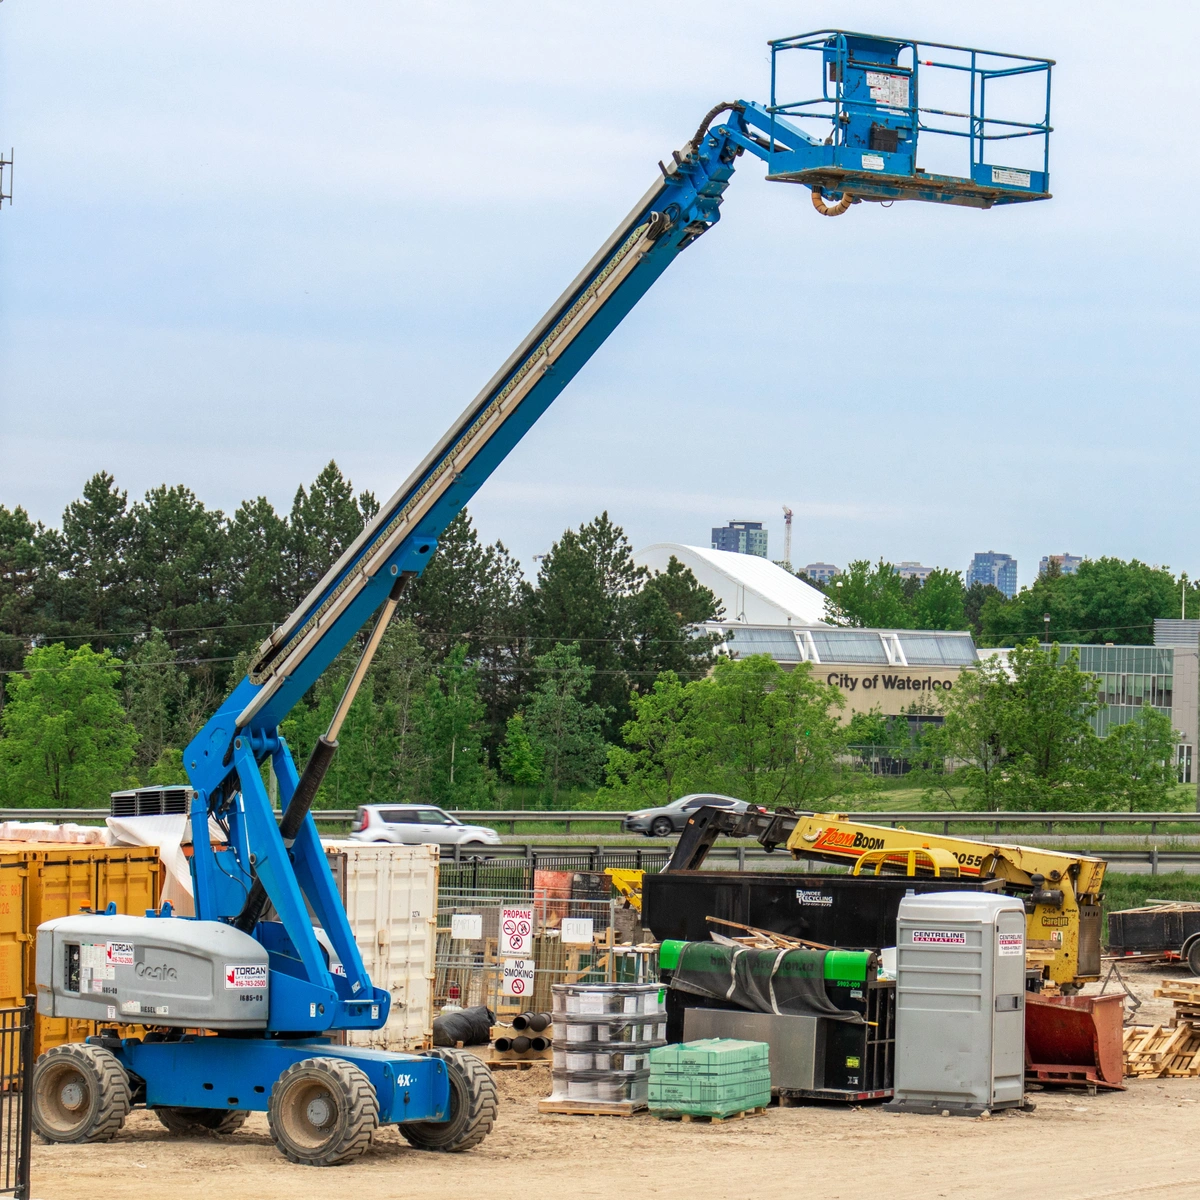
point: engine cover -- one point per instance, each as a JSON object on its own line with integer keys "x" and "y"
{"x": 152, "y": 971}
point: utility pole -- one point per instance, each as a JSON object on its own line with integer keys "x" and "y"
{"x": 1046, "y": 620}
{"x": 787, "y": 536}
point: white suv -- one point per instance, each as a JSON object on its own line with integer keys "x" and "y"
{"x": 413, "y": 824}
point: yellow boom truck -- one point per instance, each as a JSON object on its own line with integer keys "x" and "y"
{"x": 1061, "y": 891}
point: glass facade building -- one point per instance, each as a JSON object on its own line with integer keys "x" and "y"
{"x": 1130, "y": 676}
{"x": 1000, "y": 570}
{"x": 741, "y": 537}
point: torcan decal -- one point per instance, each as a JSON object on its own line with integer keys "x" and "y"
{"x": 119, "y": 954}
{"x": 245, "y": 977}
{"x": 939, "y": 937}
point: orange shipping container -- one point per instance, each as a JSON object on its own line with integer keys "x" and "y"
{"x": 41, "y": 881}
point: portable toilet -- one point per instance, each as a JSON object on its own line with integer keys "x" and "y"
{"x": 960, "y": 1003}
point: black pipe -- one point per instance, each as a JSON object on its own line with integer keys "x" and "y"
{"x": 539, "y": 1043}
{"x": 520, "y": 1044}
{"x": 503, "y": 1043}
{"x": 289, "y": 827}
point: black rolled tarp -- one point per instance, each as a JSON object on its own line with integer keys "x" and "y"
{"x": 472, "y": 1027}
{"x": 770, "y": 981}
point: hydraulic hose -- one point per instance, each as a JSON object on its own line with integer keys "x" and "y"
{"x": 829, "y": 210}
{"x": 727, "y": 106}
{"x": 319, "y": 760}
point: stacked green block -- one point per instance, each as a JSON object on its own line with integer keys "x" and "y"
{"x": 715, "y": 1077}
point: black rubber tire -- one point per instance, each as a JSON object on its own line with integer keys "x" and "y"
{"x": 192, "y": 1122}
{"x": 1193, "y": 957}
{"x": 661, "y": 827}
{"x": 473, "y": 1107}
{"x": 80, "y": 1094}
{"x": 323, "y": 1111}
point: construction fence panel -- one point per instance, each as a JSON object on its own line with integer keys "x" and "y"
{"x": 569, "y": 940}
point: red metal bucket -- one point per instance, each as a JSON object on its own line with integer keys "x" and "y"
{"x": 1074, "y": 1039}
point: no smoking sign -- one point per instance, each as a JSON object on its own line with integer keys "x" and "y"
{"x": 518, "y": 977}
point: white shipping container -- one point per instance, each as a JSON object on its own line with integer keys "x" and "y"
{"x": 390, "y": 894}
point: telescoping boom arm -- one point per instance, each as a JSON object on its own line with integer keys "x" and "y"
{"x": 869, "y": 102}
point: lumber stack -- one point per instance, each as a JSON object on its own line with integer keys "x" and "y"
{"x": 1172, "y": 1050}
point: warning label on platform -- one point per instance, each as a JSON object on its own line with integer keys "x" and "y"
{"x": 1009, "y": 177}
{"x": 891, "y": 90}
{"x": 939, "y": 937}
{"x": 872, "y": 162}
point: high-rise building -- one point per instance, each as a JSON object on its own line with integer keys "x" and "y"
{"x": 1068, "y": 564}
{"x": 913, "y": 570}
{"x": 1000, "y": 570}
{"x": 821, "y": 572}
{"x": 741, "y": 537}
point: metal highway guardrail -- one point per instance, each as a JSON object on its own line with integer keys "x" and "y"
{"x": 513, "y": 816}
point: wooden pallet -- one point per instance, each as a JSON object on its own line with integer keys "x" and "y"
{"x": 593, "y": 1108}
{"x": 688, "y": 1118}
{"x": 1156, "y": 1052}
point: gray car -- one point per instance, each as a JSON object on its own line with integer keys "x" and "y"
{"x": 671, "y": 818}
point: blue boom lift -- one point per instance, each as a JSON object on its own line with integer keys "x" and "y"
{"x": 262, "y": 989}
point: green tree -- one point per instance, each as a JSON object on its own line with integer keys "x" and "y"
{"x": 661, "y": 632}
{"x": 521, "y": 762}
{"x": 563, "y": 724}
{"x": 767, "y": 735}
{"x": 940, "y": 602}
{"x": 22, "y": 564}
{"x": 1136, "y": 765}
{"x": 64, "y": 739}
{"x": 655, "y": 764}
{"x": 1105, "y": 600}
{"x": 176, "y": 564}
{"x": 869, "y": 597}
{"x": 449, "y": 719}
{"x": 585, "y": 595}
{"x": 976, "y": 596}
{"x": 256, "y": 539}
{"x": 475, "y": 595}
{"x": 324, "y": 520}
{"x": 93, "y": 559}
{"x": 155, "y": 697}
{"x": 1023, "y": 732}
{"x": 381, "y": 753}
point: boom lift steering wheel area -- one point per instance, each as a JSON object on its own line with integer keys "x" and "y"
{"x": 262, "y": 989}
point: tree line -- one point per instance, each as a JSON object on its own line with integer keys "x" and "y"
{"x": 1103, "y": 600}
{"x": 143, "y": 615}
{"x": 122, "y": 631}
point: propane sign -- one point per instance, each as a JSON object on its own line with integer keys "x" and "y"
{"x": 516, "y": 932}
{"x": 518, "y": 977}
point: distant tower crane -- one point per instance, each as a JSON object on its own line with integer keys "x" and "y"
{"x": 787, "y": 536}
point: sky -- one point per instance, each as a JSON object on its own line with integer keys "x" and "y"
{"x": 249, "y": 238}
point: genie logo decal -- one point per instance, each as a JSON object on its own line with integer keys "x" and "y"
{"x": 242, "y": 978}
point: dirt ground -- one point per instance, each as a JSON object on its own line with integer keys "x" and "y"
{"x": 1137, "y": 1143}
